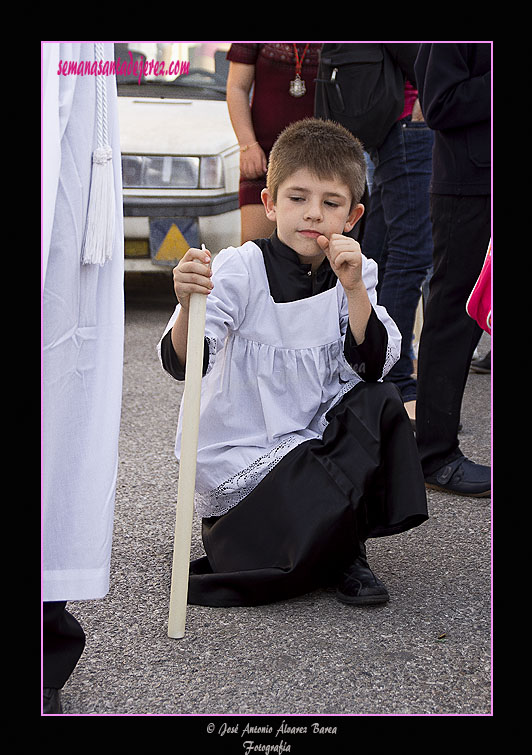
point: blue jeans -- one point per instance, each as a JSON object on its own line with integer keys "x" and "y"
{"x": 398, "y": 232}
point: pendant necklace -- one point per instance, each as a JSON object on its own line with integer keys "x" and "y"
{"x": 297, "y": 86}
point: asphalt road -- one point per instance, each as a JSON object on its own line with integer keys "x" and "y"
{"x": 426, "y": 652}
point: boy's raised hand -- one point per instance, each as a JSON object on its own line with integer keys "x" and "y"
{"x": 345, "y": 257}
{"x": 192, "y": 275}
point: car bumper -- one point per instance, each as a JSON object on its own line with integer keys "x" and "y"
{"x": 163, "y": 207}
{"x": 158, "y": 230}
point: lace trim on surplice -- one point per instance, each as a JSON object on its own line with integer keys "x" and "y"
{"x": 220, "y": 500}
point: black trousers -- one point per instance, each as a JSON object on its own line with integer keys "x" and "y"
{"x": 461, "y": 227}
{"x": 63, "y": 643}
{"x": 304, "y": 521}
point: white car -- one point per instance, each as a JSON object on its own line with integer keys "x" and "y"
{"x": 180, "y": 156}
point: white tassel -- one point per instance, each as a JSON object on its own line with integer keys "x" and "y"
{"x": 100, "y": 226}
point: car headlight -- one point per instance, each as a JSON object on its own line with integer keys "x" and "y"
{"x": 211, "y": 173}
{"x": 167, "y": 172}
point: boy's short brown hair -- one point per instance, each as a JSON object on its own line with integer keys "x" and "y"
{"x": 325, "y": 148}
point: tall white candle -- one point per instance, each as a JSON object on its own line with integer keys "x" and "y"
{"x": 187, "y": 465}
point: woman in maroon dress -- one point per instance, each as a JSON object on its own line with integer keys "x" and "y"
{"x": 283, "y": 79}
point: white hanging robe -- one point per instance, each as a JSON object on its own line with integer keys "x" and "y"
{"x": 82, "y": 335}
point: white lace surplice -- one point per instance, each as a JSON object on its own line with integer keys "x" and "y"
{"x": 274, "y": 371}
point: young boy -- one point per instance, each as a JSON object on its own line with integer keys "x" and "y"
{"x": 303, "y": 451}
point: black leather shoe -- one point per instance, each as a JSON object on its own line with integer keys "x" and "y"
{"x": 481, "y": 366}
{"x": 51, "y": 701}
{"x": 359, "y": 586}
{"x": 462, "y": 477}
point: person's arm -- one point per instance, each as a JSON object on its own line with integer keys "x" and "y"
{"x": 192, "y": 275}
{"x": 239, "y": 82}
{"x": 170, "y": 361}
{"x": 450, "y": 96}
{"x": 366, "y": 339}
{"x": 345, "y": 257}
{"x": 368, "y": 358}
{"x": 404, "y": 55}
{"x": 359, "y": 308}
{"x": 225, "y": 308}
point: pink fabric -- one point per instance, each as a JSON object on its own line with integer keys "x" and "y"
{"x": 410, "y": 98}
{"x": 478, "y": 305}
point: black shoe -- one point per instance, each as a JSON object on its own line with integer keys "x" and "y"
{"x": 51, "y": 701}
{"x": 359, "y": 586}
{"x": 462, "y": 477}
{"x": 481, "y": 366}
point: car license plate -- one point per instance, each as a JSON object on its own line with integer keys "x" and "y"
{"x": 170, "y": 238}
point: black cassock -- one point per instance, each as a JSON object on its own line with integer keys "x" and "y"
{"x": 301, "y": 525}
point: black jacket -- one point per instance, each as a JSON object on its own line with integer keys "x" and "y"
{"x": 454, "y": 89}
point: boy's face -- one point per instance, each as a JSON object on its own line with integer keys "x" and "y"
{"x": 308, "y": 207}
